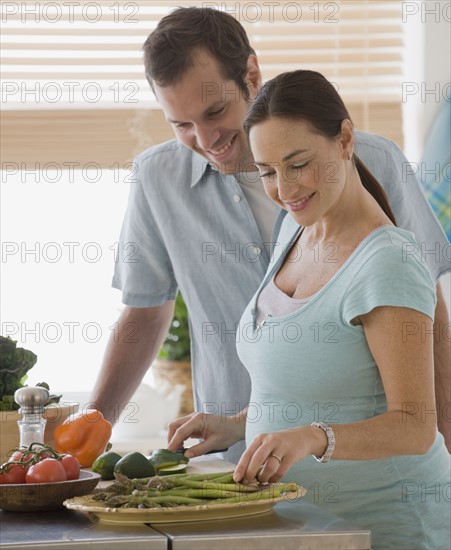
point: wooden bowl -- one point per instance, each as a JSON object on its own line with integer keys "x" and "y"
{"x": 34, "y": 497}
{"x": 9, "y": 430}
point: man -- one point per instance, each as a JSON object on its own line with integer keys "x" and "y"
{"x": 201, "y": 220}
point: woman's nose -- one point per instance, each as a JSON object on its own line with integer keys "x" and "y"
{"x": 287, "y": 189}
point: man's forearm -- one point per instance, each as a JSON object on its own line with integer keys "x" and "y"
{"x": 128, "y": 355}
{"x": 442, "y": 367}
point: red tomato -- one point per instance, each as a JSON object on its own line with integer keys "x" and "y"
{"x": 44, "y": 455}
{"x": 18, "y": 456}
{"x": 48, "y": 470}
{"x": 71, "y": 465}
{"x": 13, "y": 474}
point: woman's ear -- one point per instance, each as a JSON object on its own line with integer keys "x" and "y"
{"x": 347, "y": 139}
{"x": 253, "y": 76}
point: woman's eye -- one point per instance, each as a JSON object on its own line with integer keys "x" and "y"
{"x": 266, "y": 174}
{"x": 299, "y": 166}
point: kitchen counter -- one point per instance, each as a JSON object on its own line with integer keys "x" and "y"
{"x": 289, "y": 525}
{"x": 66, "y": 529}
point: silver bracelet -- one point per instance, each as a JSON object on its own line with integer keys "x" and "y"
{"x": 330, "y": 442}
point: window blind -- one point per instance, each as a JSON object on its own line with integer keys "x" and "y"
{"x": 73, "y": 86}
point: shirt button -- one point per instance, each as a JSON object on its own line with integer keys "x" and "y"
{"x": 257, "y": 250}
{"x": 236, "y": 198}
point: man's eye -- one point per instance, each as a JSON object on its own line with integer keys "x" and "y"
{"x": 181, "y": 125}
{"x": 217, "y": 112}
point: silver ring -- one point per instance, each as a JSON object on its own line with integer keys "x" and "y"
{"x": 276, "y": 457}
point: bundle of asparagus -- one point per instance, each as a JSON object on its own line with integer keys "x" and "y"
{"x": 190, "y": 489}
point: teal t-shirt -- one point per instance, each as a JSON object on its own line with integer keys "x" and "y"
{"x": 315, "y": 365}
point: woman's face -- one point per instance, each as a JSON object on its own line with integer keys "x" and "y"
{"x": 302, "y": 171}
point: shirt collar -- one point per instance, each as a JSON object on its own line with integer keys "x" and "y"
{"x": 200, "y": 168}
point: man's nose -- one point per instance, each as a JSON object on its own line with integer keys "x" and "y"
{"x": 206, "y": 136}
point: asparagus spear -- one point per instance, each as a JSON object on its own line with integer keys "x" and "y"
{"x": 189, "y": 489}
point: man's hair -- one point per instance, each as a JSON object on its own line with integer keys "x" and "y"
{"x": 170, "y": 49}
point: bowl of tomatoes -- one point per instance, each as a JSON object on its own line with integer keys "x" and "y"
{"x": 38, "y": 478}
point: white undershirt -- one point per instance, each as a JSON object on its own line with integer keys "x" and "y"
{"x": 273, "y": 302}
{"x": 264, "y": 210}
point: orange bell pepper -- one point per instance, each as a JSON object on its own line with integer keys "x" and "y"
{"x": 84, "y": 435}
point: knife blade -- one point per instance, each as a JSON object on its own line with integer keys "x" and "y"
{"x": 181, "y": 450}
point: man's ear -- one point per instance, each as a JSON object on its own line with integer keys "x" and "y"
{"x": 253, "y": 76}
{"x": 347, "y": 139}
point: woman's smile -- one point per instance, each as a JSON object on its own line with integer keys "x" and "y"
{"x": 301, "y": 203}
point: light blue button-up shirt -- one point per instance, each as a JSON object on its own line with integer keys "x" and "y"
{"x": 184, "y": 228}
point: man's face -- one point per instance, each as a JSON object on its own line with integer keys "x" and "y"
{"x": 207, "y": 113}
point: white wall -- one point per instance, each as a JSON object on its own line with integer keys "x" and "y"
{"x": 427, "y": 71}
{"x": 427, "y": 77}
{"x": 437, "y": 60}
{"x": 58, "y": 237}
{"x": 437, "y": 77}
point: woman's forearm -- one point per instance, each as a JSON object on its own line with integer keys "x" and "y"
{"x": 406, "y": 432}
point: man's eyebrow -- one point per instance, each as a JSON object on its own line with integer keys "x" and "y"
{"x": 286, "y": 157}
{"x": 215, "y": 106}
{"x": 207, "y": 111}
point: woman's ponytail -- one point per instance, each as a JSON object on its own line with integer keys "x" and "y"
{"x": 374, "y": 188}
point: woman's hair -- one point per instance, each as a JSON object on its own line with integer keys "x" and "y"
{"x": 309, "y": 96}
{"x": 170, "y": 49}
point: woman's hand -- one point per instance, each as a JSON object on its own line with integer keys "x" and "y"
{"x": 217, "y": 432}
{"x": 277, "y": 452}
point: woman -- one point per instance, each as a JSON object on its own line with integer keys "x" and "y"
{"x": 338, "y": 338}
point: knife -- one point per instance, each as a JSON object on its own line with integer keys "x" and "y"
{"x": 181, "y": 450}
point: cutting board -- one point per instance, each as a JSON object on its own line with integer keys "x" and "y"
{"x": 208, "y": 464}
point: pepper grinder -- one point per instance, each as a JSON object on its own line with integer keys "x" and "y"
{"x": 32, "y": 425}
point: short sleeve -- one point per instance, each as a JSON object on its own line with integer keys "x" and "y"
{"x": 393, "y": 275}
{"x": 410, "y": 206}
{"x": 143, "y": 270}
